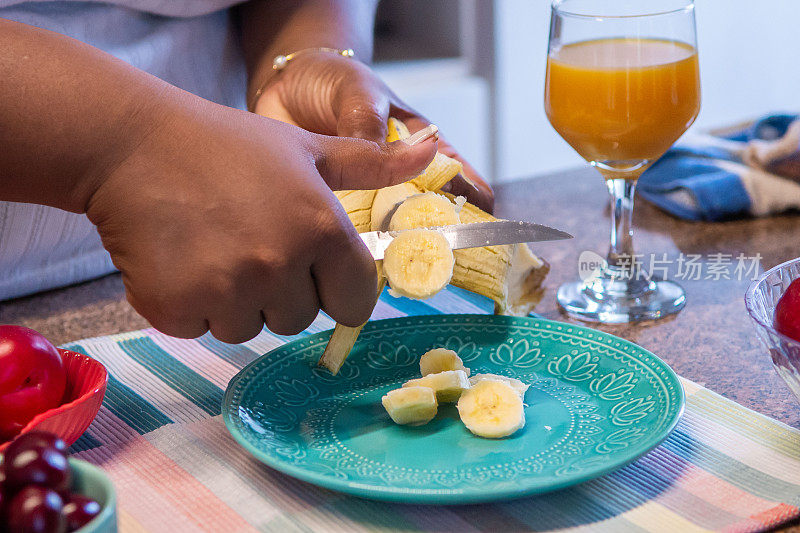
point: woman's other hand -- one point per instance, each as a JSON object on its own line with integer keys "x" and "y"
{"x": 333, "y": 95}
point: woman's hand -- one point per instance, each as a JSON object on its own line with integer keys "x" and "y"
{"x": 329, "y": 94}
{"x": 221, "y": 219}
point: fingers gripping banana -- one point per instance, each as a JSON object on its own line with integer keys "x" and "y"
{"x": 512, "y": 276}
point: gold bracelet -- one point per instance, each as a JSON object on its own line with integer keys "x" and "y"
{"x": 280, "y": 62}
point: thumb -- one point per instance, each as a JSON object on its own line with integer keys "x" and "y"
{"x": 362, "y": 113}
{"x": 346, "y": 163}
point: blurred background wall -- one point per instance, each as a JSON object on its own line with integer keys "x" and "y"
{"x": 476, "y": 68}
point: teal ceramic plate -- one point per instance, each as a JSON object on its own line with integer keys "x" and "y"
{"x": 596, "y": 402}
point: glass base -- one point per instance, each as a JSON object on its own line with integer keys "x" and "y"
{"x": 619, "y": 301}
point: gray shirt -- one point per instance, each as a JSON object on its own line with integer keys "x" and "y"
{"x": 189, "y": 43}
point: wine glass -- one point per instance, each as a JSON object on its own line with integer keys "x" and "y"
{"x": 622, "y": 86}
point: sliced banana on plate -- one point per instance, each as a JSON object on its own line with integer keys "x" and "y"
{"x": 491, "y": 409}
{"x": 447, "y": 385}
{"x": 515, "y": 384}
{"x": 489, "y": 405}
{"x": 418, "y": 263}
{"x": 424, "y": 211}
{"x": 411, "y": 405}
{"x": 440, "y": 360}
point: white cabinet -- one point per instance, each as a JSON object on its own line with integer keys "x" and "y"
{"x": 425, "y": 52}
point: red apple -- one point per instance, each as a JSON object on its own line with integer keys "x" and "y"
{"x": 32, "y": 378}
{"x": 787, "y": 312}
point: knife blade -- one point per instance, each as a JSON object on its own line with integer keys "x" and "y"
{"x": 473, "y": 235}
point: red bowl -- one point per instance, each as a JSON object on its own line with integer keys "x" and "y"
{"x": 86, "y": 386}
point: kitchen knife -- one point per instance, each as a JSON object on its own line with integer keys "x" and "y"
{"x": 473, "y": 235}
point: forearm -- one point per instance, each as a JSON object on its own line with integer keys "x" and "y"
{"x": 273, "y": 28}
{"x": 68, "y": 113}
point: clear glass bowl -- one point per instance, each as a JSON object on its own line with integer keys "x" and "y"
{"x": 760, "y": 300}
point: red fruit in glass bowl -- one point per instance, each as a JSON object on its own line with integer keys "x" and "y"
{"x": 32, "y": 378}
{"x": 787, "y": 312}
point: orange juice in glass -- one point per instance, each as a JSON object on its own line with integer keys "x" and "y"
{"x": 622, "y": 86}
{"x": 621, "y": 103}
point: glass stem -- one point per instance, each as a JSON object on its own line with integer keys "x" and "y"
{"x": 620, "y": 254}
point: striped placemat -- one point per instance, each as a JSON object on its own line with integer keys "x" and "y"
{"x": 160, "y": 437}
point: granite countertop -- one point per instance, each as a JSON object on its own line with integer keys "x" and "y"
{"x": 711, "y": 341}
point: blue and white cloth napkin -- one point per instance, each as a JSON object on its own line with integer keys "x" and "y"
{"x": 752, "y": 171}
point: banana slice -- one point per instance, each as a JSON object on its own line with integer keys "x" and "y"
{"x": 447, "y": 385}
{"x": 418, "y": 263}
{"x": 515, "y": 384}
{"x": 424, "y": 211}
{"x": 411, "y": 405}
{"x": 441, "y": 360}
{"x": 441, "y": 170}
{"x": 491, "y": 409}
{"x": 385, "y": 203}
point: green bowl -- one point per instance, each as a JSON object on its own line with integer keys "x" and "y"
{"x": 93, "y": 483}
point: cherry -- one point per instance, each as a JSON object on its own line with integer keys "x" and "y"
{"x": 39, "y": 439}
{"x": 37, "y": 459}
{"x": 79, "y": 511}
{"x": 36, "y": 510}
{"x": 787, "y": 312}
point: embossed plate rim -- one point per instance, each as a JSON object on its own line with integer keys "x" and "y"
{"x": 454, "y": 496}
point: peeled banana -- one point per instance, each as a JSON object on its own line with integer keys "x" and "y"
{"x": 410, "y": 405}
{"x": 418, "y": 263}
{"x": 358, "y": 206}
{"x": 511, "y": 275}
{"x": 441, "y": 170}
{"x": 514, "y": 383}
{"x": 447, "y": 385}
{"x": 344, "y": 337}
{"x": 491, "y": 409}
{"x": 441, "y": 360}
